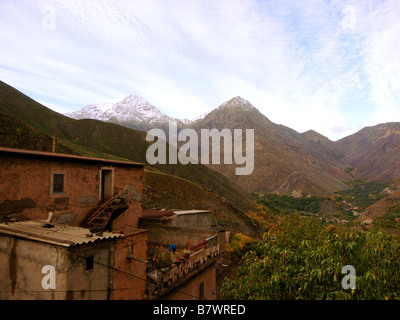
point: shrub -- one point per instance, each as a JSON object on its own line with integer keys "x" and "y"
{"x": 238, "y": 243}
{"x": 164, "y": 260}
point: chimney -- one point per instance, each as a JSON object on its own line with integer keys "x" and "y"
{"x": 54, "y": 142}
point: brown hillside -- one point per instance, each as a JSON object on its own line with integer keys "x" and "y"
{"x": 380, "y": 208}
{"x": 374, "y": 152}
{"x": 285, "y": 160}
{"x": 168, "y": 191}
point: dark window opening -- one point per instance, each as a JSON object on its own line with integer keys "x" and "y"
{"x": 58, "y": 183}
{"x": 201, "y": 291}
{"x": 89, "y": 263}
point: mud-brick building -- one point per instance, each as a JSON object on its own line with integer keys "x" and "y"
{"x": 78, "y": 214}
{"x": 85, "y": 266}
{"x": 67, "y": 188}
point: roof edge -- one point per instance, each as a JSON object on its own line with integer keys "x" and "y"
{"x": 67, "y": 156}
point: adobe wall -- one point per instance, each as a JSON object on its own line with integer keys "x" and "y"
{"x": 190, "y": 290}
{"x": 165, "y": 235}
{"x": 193, "y": 220}
{"x": 94, "y": 284}
{"x": 25, "y": 183}
{"x": 21, "y": 270}
{"x": 130, "y": 275}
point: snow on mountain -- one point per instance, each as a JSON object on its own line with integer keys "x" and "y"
{"x": 92, "y": 111}
{"x": 198, "y": 117}
{"x": 238, "y": 102}
{"x": 131, "y": 109}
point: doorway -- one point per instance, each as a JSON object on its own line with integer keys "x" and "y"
{"x": 106, "y": 185}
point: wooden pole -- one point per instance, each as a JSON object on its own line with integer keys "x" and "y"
{"x": 54, "y": 142}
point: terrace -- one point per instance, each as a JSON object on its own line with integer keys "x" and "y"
{"x": 178, "y": 253}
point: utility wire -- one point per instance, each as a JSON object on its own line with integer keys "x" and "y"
{"x": 102, "y": 264}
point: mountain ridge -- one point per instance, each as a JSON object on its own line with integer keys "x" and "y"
{"x": 285, "y": 160}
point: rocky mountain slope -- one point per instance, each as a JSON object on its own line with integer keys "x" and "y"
{"x": 285, "y": 161}
{"x": 373, "y": 152}
{"x": 381, "y": 207}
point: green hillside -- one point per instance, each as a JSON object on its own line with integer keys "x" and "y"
{"x": 15, "y": 133}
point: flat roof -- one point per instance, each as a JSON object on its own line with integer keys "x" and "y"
{"x": 190, "y": 211}
{"x": 61, "y": 235}
{"x": 56, "y": 155}
{"x": 156, "y": 214}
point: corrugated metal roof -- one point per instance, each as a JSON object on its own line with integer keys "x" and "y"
{"x": 66, "y": 156}
{"x": 62, "y": 235}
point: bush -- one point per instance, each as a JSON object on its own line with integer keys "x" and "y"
{"x": 238, "y": 243}
{"x": 164, "y": 260}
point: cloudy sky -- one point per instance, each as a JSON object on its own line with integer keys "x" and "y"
{"x": 332, "y": 66}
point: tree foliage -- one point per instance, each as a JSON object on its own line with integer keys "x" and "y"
{"x": 361, "y": 193}
{"x": 301, "y": 258}
{"x": 280, "y": 204}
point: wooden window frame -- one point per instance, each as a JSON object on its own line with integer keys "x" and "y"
{"x": 53, "y": 173}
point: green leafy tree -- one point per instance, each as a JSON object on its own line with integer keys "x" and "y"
{"x": 301, "y": 258}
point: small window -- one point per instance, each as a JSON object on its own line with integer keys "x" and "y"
{"x": 58, "y": 183}
{"x": 201, "y": 291}
{"x": 89, "y": 263}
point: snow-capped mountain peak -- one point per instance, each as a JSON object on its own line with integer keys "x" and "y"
{"x": 131, "y": 109}
{"x": 238, "y": 102}
{"x": 136, "y": 112}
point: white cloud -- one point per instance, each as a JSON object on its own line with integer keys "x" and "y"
{"x": 303, "y": 64}
{"x": 382, "y": 63}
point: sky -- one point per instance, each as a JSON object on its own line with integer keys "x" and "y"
{"x": 331, "y": 66}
